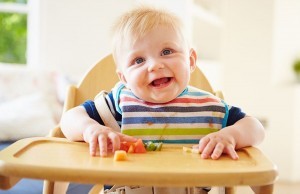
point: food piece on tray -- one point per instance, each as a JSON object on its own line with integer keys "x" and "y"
{"x": 136, "y": 147}
{"x": 139, "y": 147}
{"x": 151, "y": 146}
{"x": 190, "y": 150}
{"x": 120, "y": 155}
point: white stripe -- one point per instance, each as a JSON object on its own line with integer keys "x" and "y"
{"x": 111, "y": 107}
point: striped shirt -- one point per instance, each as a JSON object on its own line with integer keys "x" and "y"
{"x": 233, "y": 115}
{"x": 193, "y": 114}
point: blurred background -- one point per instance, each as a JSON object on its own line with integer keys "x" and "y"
{"x": 248, "y": 49}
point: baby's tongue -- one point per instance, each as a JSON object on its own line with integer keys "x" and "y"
{"x": 160, "y": 81}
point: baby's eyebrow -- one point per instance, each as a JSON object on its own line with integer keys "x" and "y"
{"x": 170, "y": 44}
{"x": 133, "y": 53}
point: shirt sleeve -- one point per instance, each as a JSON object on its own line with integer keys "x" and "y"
{"x": 235, "y": 114}
{"x": 91, "y": 109}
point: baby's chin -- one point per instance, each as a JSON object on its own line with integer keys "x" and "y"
{"x": 159, "y": 100}
{"x": 158, "y": 97}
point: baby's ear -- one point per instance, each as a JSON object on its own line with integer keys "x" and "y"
{"x": 121, "y": 76}
{"x": 193, "y": 60}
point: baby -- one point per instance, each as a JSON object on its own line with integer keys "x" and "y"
{"x": 154, "y": 63}
{"x": 153, "y": 100}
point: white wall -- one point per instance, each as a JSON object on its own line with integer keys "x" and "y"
{"x": 249, "y": 58}
{"x": 75, "y": 34}
{"x": 296, "y": 135}
{"x": 286, "y": 40}
{"x": 286, "y": 49}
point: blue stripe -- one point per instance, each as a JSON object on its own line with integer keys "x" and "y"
{"x": 198, "y": 94}
{"x": 120, "y": 86}
{"x": 159, "y": 120}
{"x": 224, "y": 123}
{"x": 183, "y": 92}
{"x": 128, "y": 92}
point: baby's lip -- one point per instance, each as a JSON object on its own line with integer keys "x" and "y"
{"x": 161, "y": 81}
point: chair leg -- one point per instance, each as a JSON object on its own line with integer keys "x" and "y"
{"x": 229, "y": 190}
{"x": 51, "y": 187}
{"x": 226, "y": 190}
{"x": 48, "y": 187}
{"x": 264, "y": 189}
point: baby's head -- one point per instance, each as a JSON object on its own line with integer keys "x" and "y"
{"x": 152, "y": 55}
{"x": 135, "y": 24}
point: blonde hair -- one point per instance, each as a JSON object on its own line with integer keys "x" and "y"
{"x": 136, "y": 23}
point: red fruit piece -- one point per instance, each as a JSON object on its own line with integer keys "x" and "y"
{"x": 133, "y": 147}
{"x": 139, "y": 147}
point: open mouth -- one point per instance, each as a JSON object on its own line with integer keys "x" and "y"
{"x": 161, "y": 82}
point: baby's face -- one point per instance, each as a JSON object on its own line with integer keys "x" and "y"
{"x": 157, "y": 66}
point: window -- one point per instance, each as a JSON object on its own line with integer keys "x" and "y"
{"x": 13, "y": 31}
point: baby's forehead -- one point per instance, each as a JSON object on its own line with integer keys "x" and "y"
{"x": 127, "y": 39}
{"x": 132, "y": 37}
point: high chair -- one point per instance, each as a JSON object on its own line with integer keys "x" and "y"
{"x": 59, "y": 161}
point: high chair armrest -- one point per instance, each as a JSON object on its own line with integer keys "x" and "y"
{"x": 56, "y": 132}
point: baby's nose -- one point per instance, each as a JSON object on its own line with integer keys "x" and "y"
{"x": 155, "y": 65}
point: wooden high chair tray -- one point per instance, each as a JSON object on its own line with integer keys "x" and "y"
{"x": 57, "y": 159}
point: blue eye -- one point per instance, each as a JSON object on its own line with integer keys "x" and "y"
{"x": 139, "y": 60}
{"x": 166, "y": 52}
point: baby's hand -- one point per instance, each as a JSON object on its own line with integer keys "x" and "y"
{"x": 214, "y": 144}
{"x": 105, "y": 138}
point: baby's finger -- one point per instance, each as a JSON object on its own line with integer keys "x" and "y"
{"x": 102, "y": 140}
{"x": 127, "y": 138}
{"x": 93, "y": 143}
{"x": 217, "y": 152}
{"x": 202, "y": 143}
{"x": 115, "y": 140}
{"x": 231, "y": 152}
{"x": 207, "y": 151}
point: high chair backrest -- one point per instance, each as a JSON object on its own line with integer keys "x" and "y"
{"x": 102, "y": 76}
